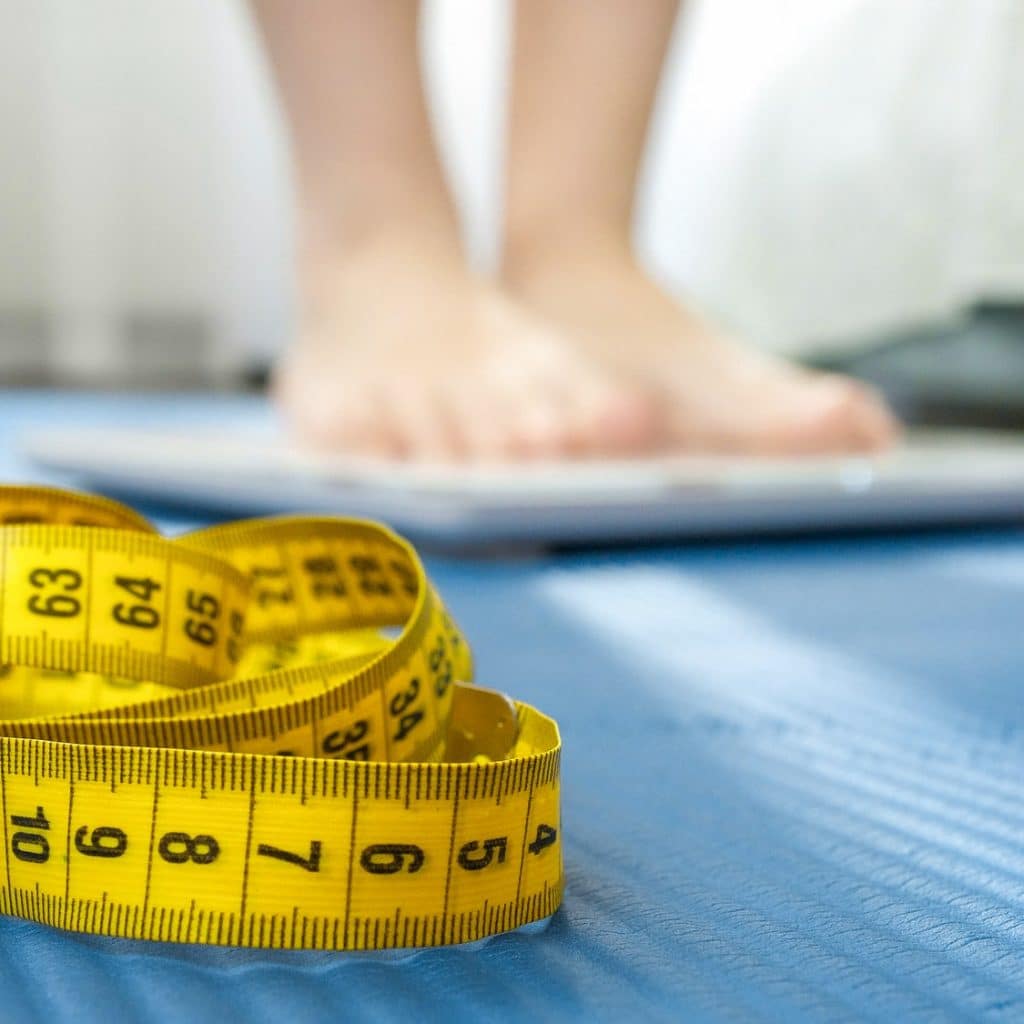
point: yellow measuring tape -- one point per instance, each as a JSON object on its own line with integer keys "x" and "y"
{"x": 257, "y": 734}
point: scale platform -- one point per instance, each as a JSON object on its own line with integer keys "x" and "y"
{"x": 932, "y": 479}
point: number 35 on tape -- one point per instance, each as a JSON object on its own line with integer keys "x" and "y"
{"x": 259, "y": 734}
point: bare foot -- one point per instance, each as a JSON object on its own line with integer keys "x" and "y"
{"x": 405, "y": 354}
{"x": 717, "y": 395}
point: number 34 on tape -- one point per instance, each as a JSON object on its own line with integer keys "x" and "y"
{"x": 259, "y": 734}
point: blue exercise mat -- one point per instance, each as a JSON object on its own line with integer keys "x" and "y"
{"x": 792, "y": 781}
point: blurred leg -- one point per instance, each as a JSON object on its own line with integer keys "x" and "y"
{"x": 586, "y": 76}
{"x": 366, "y": 164}
{"x": 402, "y": 351}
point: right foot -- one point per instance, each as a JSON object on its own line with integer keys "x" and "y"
{"x": 405, "y": 354}
{"x": 715, "y": 394}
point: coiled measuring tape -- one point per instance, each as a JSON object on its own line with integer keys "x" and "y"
{"x": 258, "y": 734}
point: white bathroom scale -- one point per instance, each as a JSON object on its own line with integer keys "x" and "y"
{"x": 933, "y": 479}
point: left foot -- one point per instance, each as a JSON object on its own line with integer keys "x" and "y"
{"x": 716, "y": 395}
{"x": 404, "y": 354}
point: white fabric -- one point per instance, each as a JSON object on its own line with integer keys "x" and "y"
{"x": 822, "y": 168}
{"x": 141, "y": 172}
{"x": 830, "y": 169}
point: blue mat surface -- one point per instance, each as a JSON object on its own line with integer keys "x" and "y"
{"x": 792, "y": 783}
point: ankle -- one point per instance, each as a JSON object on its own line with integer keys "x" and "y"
{"x": 359, "y": 212}
{"x": 415, "y": 243}
{"x": 561, "y": 248}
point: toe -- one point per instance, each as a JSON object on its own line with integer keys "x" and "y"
{"x": 328, "y": 418}
{"x": 421, "y": 423}
{"x": 540, "y": 428}
{"x": 481, "y": 427}
{"x": 880, "y": 429}
{"x": 357, "y": 424}
{"x": 837, "y": 414}
{"x": 616, "y": 421}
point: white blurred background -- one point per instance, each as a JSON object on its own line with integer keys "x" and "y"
{"x": 821, "y": 171}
